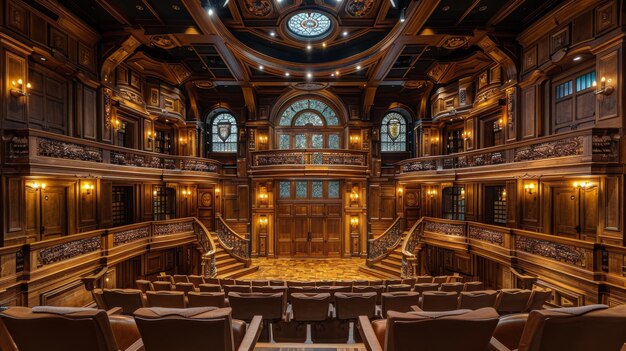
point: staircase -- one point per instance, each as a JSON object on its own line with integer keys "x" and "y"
{"x": 390, "y": 266}
{"x": 229, "y": 267}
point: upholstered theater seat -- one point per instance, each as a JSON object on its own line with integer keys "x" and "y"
{"x": 206, "y": 299}
{"x": 360, "y": 283}
{"x": 236, "y": 288}
{"x": 197, "y": 329}
{"x": 180, "y": 278}
{"x": 348, "y": 307}
{"x": 378, "y": 289}
{"x": 270, "y": 306}
{"x": 538, "y": 298}
{"x": 185, "y": 287}
{"x": 260, "y": 282}
{"x": 162, "y": 286}
{"x": 393, "y": 282}
{"x": 453, "y": 287}
{"x": 592, "y": 327}
{"x": 439, "y": 301}
{"x": 473, "y": 286}
{"x": 273, "y": 290}
{"x": 462, "y": 330}
{"x": 69, "y": 329}
{"x": 399, "y": 287}
{"x": 196, "y": 280}
{"x": 210, "y": 288}
{"x": 400, "y": 301}
{"x": 441, "y": 279}
{"x": 423, "y": 279}
{"x": 422, "y": 287}
{"x": 166, "y": 278}
{"x": 169, "y": 299}
{"x": 473, "y": 300}
{"x": 512, "y": 301}
{"x": 128, "y": 300}
{"x": 409, "y": 281}
{"x": 144, "y": 285}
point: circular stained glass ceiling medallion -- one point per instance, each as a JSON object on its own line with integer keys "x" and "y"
{"x": 309, "y": 25}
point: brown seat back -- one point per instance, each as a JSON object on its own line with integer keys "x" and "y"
{"x": 260, "y": 282}
{"x": 378, "y": 289}
{"x": 309, "y": 307}
{"x": 236, "y": 288}
{"x": 441, "y": 279}
{"x": 431, "y": 330}
{"x": 361, "y": 283}
{"x": 144, "y": 285}
{"x": 474, "y": 286}
{"x": 353, "y": 305}
{"x": 185, "y": 287}
{"x": 211, "y": 281}
{"x": 273, "y": 290}
{"x": 592, "y": 327}
{"x": 97, "y": 298}
{"x": 179, "y": 278}
{"x": 409, "y": 281}
{"x": 473, "y": 300}
{"x": 512, "y": 300}
{"x": 162, "y": 286}
{"x": 399, "y": 287}
{"x": 227, "y": 282}
{"x": 201, "y": 329}
{"x": 206, "y": 299}
{"x": 243, "y": 282}
{"x": 454, "y": 287}
{"x": 439, "y": 301}
{"x": 169, "y": 299}
{"x": 393, "y": 282}
{"x": 246, "y": 306}
{"x": 400, "y": 301}
{"x": 422, "y": 287}
{"x": 196, "y": 280}
{"x": 537, "y": 298}
{"x": 510, "y": 328}
{"x": 332, "y": 290}
{"x": 277, "y": 283}
{"x": 424, "y": 279}
{"x": 210, "y": 288}
{"x": 59, "y": 329}
{"x": 376, "y": 282}
{"x": 128, "y": 300}
{"x": 291, "y": 283}
{"x": 166, "y": 278}
{"x": 300, "y": 290}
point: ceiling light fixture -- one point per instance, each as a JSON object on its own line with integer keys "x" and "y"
{"x": 402, "y": 15}
{"x": 309, "y": 75}
{"x": 324, "y": 44}
{"x": 337, "y": 73}
{"x": 482, "y": 8}
{"x": 445, "y": 8}
{"x": 358, "y": 67}
{"x": 393, "y": 3}
{"x": 345, "y": 33}
{"x": 261, "y": 67}
{"x": 273, "y": 34}
{"x": 577, "y": 58}
{"x": 332, "y": 74}
{"x": 309, "y": 47}
{"x": 139, "y": 8}
{"x": 43, "y": 58}
{"x": 210, "y": 10}
{"x": 225, "y": 3}
{"x": 286, "y": 74}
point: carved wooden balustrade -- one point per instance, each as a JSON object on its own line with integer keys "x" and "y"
{"x": 232, "y": 242}
{"x": 34, "y": 146}
{"x": 411, "y": 244}
{"x": 76, "y": 256}
{"x": 379, "y": 247}
{"x": 592, "y": 145}
{"x": 321, "y": 157}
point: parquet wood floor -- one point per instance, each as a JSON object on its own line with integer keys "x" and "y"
{"x": 309, "y": 269}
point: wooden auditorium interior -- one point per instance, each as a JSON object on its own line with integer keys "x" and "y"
{"x": 348, "y": 175}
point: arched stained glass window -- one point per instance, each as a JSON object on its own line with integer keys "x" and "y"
{"x": 224, "y": 133}
{"x": 311, "y": 107}
{"x": 309, "y": 25}
{"x": 393, "y": 133}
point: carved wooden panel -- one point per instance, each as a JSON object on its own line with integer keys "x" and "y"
{"x": 543, "y": 50}
{"x": 531, "y": 205}
{"x": 590, "y": 213}
{"x": 86, "y": 57}
{"x": 87, "y": 204}
{"x": 529, "y": 100}
{"x": 59, "y": 41}
{"x": 38, "y": 29}
{"x": 606, "y": 17}
{"x": 612, "y": 204}
{"x": 105, "y": 200}
{"x": 15, "y": 212}
{"x": 90, "y": 113}
{"x": 565, "y": 206}
{"x": 15, "y": 69}
{"x": 47, "y": 103}
{"x": 31, "y": 212}
{"x": 585, "y": 106}
{"x": 530, "y": 58}
{"x": 17, "y": 18}
{"x": 608, "y": 67}
{"x": 582, "y": 28}
{"x": 559, "y": 40}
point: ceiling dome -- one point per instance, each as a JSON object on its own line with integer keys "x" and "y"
{"x": 309, "y": 25}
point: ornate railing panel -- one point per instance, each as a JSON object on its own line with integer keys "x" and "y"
{"x": 410, "y": 246}
{"x": 380, "y": 247}
{"x": 310, "y": 157}
{"x": 553, "y": 250}
{"x": 209, "y": 262}
{"x": 233, "y": 243}
{"x": 24, "y": 145}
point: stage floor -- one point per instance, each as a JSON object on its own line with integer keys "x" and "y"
{"x": 309, "y": 347}
{"x": 308, "y": 269}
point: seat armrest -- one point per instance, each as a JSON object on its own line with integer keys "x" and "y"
{"x": 114, "y": 311}
{"x": 136, "y": 346}
{"x": 495, "y": 345}
{"x": 252, "y": 334}
{"x": 368, "y": 335}
{"x": 417, "y": 309}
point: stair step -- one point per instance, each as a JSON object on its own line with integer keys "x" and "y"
{"x": 226, "y": 262}
{"x": 386, "y": 269}
{"x": 376, "y": 273}
{"x": 239, "y": 273}
{"x": 391, "y": 264}
{"x": 230, "y": 268}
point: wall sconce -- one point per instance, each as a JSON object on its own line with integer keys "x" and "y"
{"x": 462, "y": 193}
{"x": 497, "y": 125}
{"x": 529, "y": 188}
{"x": 150, "y": 136}
{"x": 217, "y": 192}
{"x": 116, "y": 123}
{"x": 581, "y": 185}
{"x": 503, "y": 195}
{"x": 354, "y": 222}
{"x": 263, "y": 195}
{"x": 17, "y": 88}
{"x": 263, "y": 221}
{"x": 182, "y": 141}
{"x": 354, "y": 139}
{"x": 263, "y": 139}
{"x": 38, "y": 186}
{"x": 186, "y": 192}
{"x": 431, "y": 193}
{"x": 605, "y": 86}
{"x": 434, "y": 140}
{"x": 400, "y": 190}
{"x": 467, "y": 135}
{"x": 88, "y": 188}
{"x": 354, "y": 196}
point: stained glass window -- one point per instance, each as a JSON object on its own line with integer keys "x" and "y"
{"x": 317, "y": 189}
{"x": 224, "y": 133}
{"x": 284, "y": 142}
{"x": 393, "y": 133}
{"x": 309, "y": 118}
{"x": 301, "y": 189}
{"x": 333, "y": 141}
{"x": 333, "y": 189}
{"x": 317, "y": 141}
{"x": 311, "y": 24}
{"x": 285, "y": 189}
{"x": 313, "y": 109}
{"x": 300, "y": 141}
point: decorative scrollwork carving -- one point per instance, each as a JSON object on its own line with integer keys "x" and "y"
{"x": 552, "y": 250}
{"x": 59, "y": 149}
{"x": 445, "y": 228}
{"x": 558, "y": 148}
{"x": 380, "y": 246}
{"x": 235, "y": 245}
{"x": 18, "y": 148}
{"x": 418, "y": 166}
{"x": 173, "y": 228}
{"x": 259, "y": 7}
{"x": 359, "y": 8}
{"x": 68, "y": 250}
{"x": 130, "y": 235}
{"x": 488, "y": 235}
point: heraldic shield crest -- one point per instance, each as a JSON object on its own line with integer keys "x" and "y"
{"x": 223, "y": 130}
{"x": 393, "y": 128}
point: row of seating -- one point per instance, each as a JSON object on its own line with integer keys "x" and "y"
{"x": 593, "y": 327}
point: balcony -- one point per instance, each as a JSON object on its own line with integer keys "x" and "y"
{"x": 577, "y": 149}
{"x": 323, "y": 162}
{"x": 39, "y": 150}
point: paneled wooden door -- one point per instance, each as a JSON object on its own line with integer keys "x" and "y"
{"x": 309, "y": 230}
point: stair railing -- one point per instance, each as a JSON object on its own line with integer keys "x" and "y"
{"x": 410, "y": 247}
{"x": 209, "y": 264}
{"x": 380, "y": 247}
{"x": 233, "y": 243}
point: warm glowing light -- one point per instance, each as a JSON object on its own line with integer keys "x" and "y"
{"x": 400, "y": 190}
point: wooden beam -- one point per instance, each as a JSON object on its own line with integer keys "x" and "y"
{"x": 504, "y": 12}
{"x": 113, "y": 11}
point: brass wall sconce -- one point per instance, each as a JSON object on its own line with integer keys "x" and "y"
{"x": 263, "y": 221}
{"x": 529, "y": 188}
{"x": 400, "y": 191}
{"x": 185, "y": 192}
{"x": 606, "y": 87}
{"x": 38, "y": 186}
{"x": 18, "y": 89}
{"x": 581, "y": 185}
{"x": 354, "y": 222}
{"x": 354, "y": 196}
{"x": 434, "y": 140}
{"x": 354, "y": 139}
{"x": 431, "y": 193}
{"x": 497, "y": 125}
{"x": 467, "y": 135}
{"x": 182, "y": 141}
{"x": 263, "y": 139}
{"x": 150, "y": 136}
{"x": 462, "y": 193}
{"x": 89, "y": 187}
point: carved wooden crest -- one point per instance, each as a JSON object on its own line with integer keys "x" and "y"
{"x": 203, "y": 84}
{"x": 359, "y": 8}
{"x": 438, "y": 70}
{"x": 309, "y": 86}
{"x": 223, "y": 130}
{"x": 393, "y": 128}
{"x": 259, "y": 7}
{"x": 164, "y": 41}
{"x": 455, "y": 42}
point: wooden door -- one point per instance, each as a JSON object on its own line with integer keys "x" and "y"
{"x": 53, "y": 216}
{"x": 317, "y": 233}
{"x": 334, "y": 230}
{"x": 565, "y": 211}
{"x": 301, "y": 237}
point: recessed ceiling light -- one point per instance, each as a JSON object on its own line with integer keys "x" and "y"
{"x": 324, "y": 44}
{"x": 402, "y": 15}
{"x": 358, "y": 67}
{"x": 393, "y": 3}
{"x": 210, "y": 11}
{"x": 309, "y": 47}
{"x": 139, "y": 7}
{"x": 43, "y": 58}
{"x": 445, "y": 8}
{"x": 286, "y": 74}
{"x": 482, "y": 8}
{"x": 273, "y": 34}
{"x": 577, "y": 58}
{"x": 332, "y": 74}
{"x": 345, "y": 33}
{"x": 309, "y": 75}
{"x": 175, "y": 7}
{"x": 261, "y": 67}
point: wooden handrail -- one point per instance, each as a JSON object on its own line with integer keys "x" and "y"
{"x": 379, "y": 247}
{"x": 232, "y": 242}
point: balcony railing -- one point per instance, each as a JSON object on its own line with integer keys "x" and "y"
{"x": 596, "y": 145}
{"x": 321, "y": 157}
{"x": 232, "y": 242}
{"x": 379, "y": 247}
{"x": 29, "y": 145}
